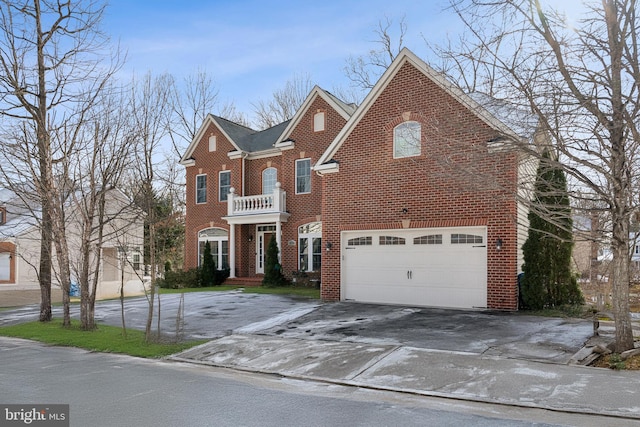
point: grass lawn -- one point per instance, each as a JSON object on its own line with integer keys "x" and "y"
{"x": 302, "y": 292}
{"x": 109, "y": 339}
{"x": 105, "y": 338}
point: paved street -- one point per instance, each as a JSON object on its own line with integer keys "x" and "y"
{"x": 112, "y": 390}
{"x": 479, "y": 357}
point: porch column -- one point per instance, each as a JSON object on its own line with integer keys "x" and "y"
{"x": 232, "y": 251}
{"x": 279, "y": 240}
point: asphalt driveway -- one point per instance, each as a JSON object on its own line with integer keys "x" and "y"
{"x": 488, "y": 333}
{"x": 213, "y": 315}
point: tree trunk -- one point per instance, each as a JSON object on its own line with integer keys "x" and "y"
{"x": 45, "y": 266}
{"x": 152, "y": 273}
{"x": 620, "y": 287}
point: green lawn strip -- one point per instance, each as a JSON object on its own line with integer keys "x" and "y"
{"x": 302, "y": 292}
{"x": 107, "y": 339}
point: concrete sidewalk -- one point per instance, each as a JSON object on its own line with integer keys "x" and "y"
{"x": 457, "y": 375}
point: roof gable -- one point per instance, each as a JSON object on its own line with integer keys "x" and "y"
{"x": 406, "y": 56}
{"x": 343, "y": 109}
{"x": 230, "y": 130}
{"x": 248, "y": 140}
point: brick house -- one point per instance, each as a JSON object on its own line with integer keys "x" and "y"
{"x": 410, "y": 198}
{"x": 243, "y": 186}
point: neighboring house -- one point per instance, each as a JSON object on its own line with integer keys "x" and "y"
{"x": 121, "y": 250}
{"x": 410, "y": 198}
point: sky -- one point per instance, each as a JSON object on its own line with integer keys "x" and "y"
{"x": 252, "y": 47}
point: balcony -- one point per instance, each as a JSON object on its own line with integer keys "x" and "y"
{"x": 262, "y": 205}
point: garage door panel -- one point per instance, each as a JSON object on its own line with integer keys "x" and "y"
{"x": 443, "y": 274}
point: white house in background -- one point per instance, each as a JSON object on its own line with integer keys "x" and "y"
{"x": 121, "y": 250}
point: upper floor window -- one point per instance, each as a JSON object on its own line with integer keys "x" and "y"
{"x": 303, "y": 176}
{"x": 319, "y": 121}
{"x": 212, "y": 143}
{"x": 406, "y": 140}
{"x": 269, "y": 179}
{"x": 225, "y": 185}
{"x": 135, "y": 260}
{"x": 201, "y": 188}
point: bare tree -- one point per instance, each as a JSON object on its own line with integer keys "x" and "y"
{"x": 191, "y": 101}
{"x": 102, "y": 214}
{"x": 150, "y": 107}
{"x": 49, "y": 62}
{"x": 364, "y": 70}
{"x": 581, "y": 81}
{"x": 285, "y": 102}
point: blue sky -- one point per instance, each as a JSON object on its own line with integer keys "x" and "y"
{"x": 252, "y": 47}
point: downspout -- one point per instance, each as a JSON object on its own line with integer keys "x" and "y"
{"x": 244, "y": 156}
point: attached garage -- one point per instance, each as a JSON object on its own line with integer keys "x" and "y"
{"x": 440, "y": 267}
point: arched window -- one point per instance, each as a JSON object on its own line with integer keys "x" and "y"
{"x": 269, "y": 179}
{"x": 407, "y": 140}
{"x": 218, "y": 239}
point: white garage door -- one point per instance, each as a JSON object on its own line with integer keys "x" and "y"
{"x": 441, "y": 267}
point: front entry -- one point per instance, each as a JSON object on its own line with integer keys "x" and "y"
{"x": 263, "y": 233}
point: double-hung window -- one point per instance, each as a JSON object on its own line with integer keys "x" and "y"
{"x": 201, "y": 188}
{"x": 303, "y": 176}
{"x": 225, "y": 185}
{"x": 310, "y": 246}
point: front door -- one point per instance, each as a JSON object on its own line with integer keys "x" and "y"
{"x": 264, "y": 234}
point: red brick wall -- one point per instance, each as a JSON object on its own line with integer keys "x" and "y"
{"x": 205, "y": 215}
{"x": 455, "y": 180}
{"x": 303, "y": 208}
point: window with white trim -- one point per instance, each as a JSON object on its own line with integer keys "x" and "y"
{"x": 5, "y": 266}
{"x": 218, "y": 239}
{"x": 201, "y": 188}
{"x": 319, "y": 121}
{"x": 310, "y": 246}
{"x": 360, "y": 241}
{"x": 407, "y": 140}
{"x": 224, "y": 185}
{"x": 135, "y": 260}
{"x": 212, "y": 143}
{"x": 431, "y": 239}
{"x": 465, "y": 239}
{"x": 303, "y": 176}
{"x": 269, "y": 179}
{"x": 391, "y": 240}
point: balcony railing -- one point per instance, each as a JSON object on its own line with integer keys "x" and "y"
{"x": 258, "y": 204}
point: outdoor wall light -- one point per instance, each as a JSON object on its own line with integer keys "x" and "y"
{"x": 498, "y": 244}
{"x": 405, "y": 210}
{"x": 329, "y": 246}
{"x": 251, "y": 237}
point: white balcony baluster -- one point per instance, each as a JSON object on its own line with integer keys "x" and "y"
{"x": 258, "y": 204}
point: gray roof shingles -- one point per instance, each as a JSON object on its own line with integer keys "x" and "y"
{"x": 250, "y": 140}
